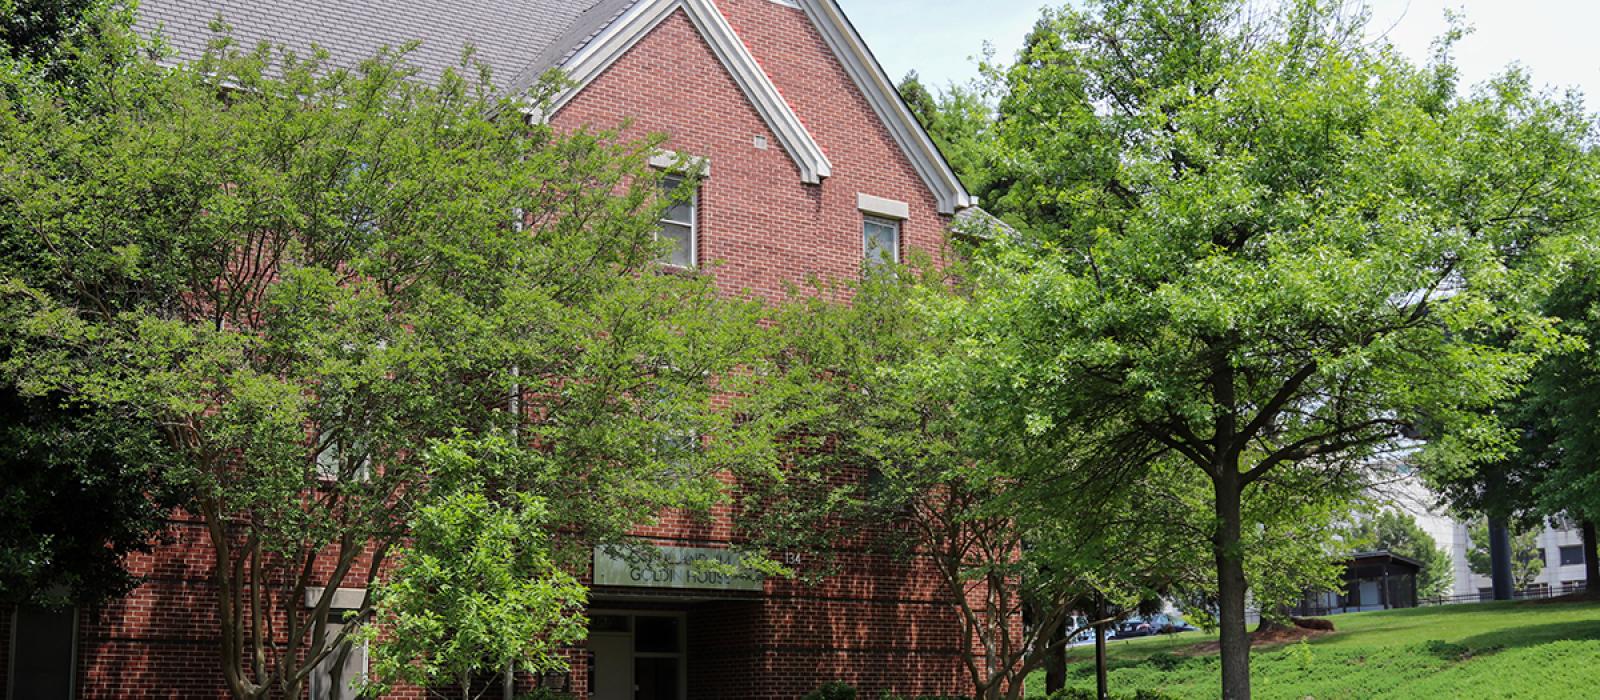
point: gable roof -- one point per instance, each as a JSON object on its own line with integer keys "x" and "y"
{"x": 885, "y": 99}
{"x": 508, "y": 35}
{"x": 588, "y": 60}
{"x": 522, "y": 39}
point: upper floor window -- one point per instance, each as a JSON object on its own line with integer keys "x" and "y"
{"x": 1572, "y": 556}
{"x": 881, "y": 240}
{"x": 678, "y": 223}
{"x": 881, "y": 220}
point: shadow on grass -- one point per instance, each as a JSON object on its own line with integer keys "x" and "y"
{"x": 1534, "y": 635}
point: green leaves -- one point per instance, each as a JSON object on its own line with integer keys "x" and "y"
{"x": 479, "y": 588}
{"x": 1258, "y": 246}
{"x": 302, "y": 276}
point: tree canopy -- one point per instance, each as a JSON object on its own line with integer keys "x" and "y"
{"x": 299, "y": 276}
{"x": 1260, "y": 249}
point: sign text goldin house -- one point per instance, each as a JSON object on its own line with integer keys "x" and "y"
{"x": 673, "y": 567}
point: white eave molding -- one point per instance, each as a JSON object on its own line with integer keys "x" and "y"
{"x": 611, "y": 43}
{"x": 885, "y": 100}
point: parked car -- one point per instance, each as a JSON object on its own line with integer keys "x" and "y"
{"x": 1170, "y": 624}
{"x": 1133, "y": 627}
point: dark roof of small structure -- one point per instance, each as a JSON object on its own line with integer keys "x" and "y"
{"x": 518, "y": 39}
{"x": 1382, "y": 557}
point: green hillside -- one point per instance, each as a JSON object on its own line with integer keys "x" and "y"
{"x": 1549, "y": 651}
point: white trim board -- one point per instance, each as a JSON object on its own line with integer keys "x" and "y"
{"x": 880, "y": 206}
{"x": 880, "y": 92}
{"x": 672, "y": 160}
{"x": 615, "y": 40}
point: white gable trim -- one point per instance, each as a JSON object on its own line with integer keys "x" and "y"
{"x": 885, "y": 100}
{"x": 605, "y": 48}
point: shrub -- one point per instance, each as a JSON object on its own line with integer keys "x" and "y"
{"x": 832, "y": 690}
{"x": 1165, "y": 661}
{"x": 1446, "y": 650}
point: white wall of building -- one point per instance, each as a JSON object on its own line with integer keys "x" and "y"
{"x": 1409, "y": 494}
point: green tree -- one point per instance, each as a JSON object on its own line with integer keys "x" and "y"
{"x": 1527, "y": 560}
{"x": 299, "y": 275}
{"x": 1397, "y": 532}
{"x": 960, "y": 119}
{"x": 1564, "y": 396}
{"x": 480, "y": 587}
{"x": 79, "y": 490}
{"x": 884, "y": 447}
{"x": 34, "y": 29}
{"x": 1550, "y": 474}
{"x": 1262, "y": 246}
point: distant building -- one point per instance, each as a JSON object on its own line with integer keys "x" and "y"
{"x": 1561, "y": 548}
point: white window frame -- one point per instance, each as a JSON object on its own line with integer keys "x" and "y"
{"x": 363, "y": 660}
{"x": 693, "y": 223}
{"x": 343, "y": 600}
{"x": 330, "y": 462}
{"x": 899, "y": 238}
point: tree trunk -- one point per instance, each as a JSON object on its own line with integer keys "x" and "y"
{"x": 1591, "y": 558}
{"x": 1055, "y": 670}
{"x": 1500, "y": 558}
{"x": 1231, "y": 585}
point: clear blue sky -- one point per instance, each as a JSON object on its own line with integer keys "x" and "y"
{"x": 1557, "y": 41}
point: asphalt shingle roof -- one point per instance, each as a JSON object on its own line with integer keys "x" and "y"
{"x": 517, "y": 39}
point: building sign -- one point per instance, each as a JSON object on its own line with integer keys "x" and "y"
{"x": 673, "y": 567}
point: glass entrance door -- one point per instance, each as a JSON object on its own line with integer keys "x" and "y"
{"x": 637, "y": 656}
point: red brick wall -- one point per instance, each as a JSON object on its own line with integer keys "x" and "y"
{"x": 760, "y": 226}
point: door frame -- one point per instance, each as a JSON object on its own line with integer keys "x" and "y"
{"x": 683, "y": 638}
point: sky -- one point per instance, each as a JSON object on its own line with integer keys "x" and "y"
{"x": 1556, "y": 41}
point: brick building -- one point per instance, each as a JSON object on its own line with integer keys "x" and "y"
{"x": 813, "y": 165}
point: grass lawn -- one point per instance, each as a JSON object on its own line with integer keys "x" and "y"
{"x": 1546, "y": 650}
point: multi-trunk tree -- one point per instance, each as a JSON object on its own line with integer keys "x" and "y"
{"x": 301, "y": 277}
{"x": 883, "y": 448}
{"x": 1264, "y": 247}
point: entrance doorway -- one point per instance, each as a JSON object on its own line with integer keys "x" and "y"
{"x": 637, "y": 655}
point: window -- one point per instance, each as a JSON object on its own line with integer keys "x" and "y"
{"x": 331, "y": 461}
{"x": 678, "y": 224}
{"x": 340, "y": 675}
{"x": 1572, "y": 556}
{"x": 43, "y": 645}
{"x": 881, "y": 240}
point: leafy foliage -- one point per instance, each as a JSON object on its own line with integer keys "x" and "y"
{"x": 298, "y": 276}
{"x": 885, "y": 446}
{"x": 960, "y": 118}
{"x": 479, "y": 588}
{"x": 1260, "y": 249}
{"x": 81, "y": 493}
